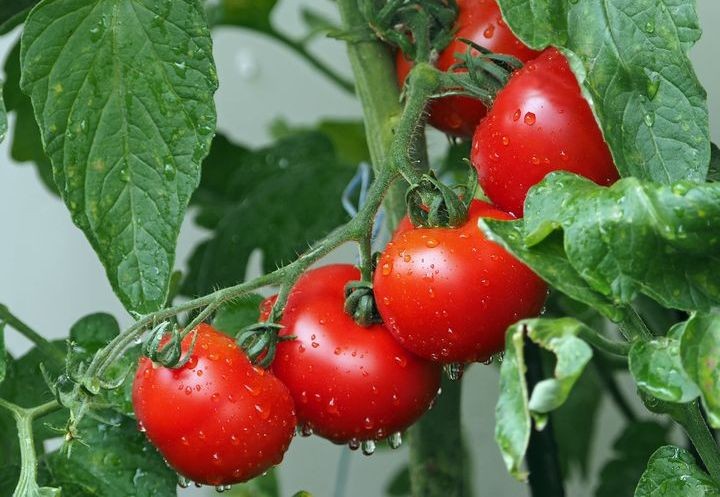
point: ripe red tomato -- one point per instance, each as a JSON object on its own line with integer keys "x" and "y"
{"x": 481, "y": 22}
{"x": 218, "y": 419}
{"x": 539, "y": 123}
{"x": 449, "y": 294}
{"x": 349, "y": 383}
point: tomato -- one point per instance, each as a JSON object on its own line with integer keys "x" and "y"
{"x": 349, "y": 383}
{"x": 218, "y": 419}
{"x": 539, "y": 123}
{"x": 481, "y": 22}
{"x": 448, "y": 295}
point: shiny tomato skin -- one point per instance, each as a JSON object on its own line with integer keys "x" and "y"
{"x": 449, "y": 295}
{"x": 218, "y": 419}
{"x": 539, "y": 123}
{"x": 349, "y": 383}
{"x": 481, "y": 22}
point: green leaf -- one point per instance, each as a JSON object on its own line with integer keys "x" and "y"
{"x": 263, "y": 486}
{"x": 123, "y": 91}
{"x": 253, "y": 15}
{"x": 8, "y": 478}
{"x": 348, "y": 137}
{"x": 550, "y": 262}
{"x": 234, "y": 316}
{"x": 644, "y": 91}
{"x": 25, "y": 386}
{"x": 93, "y": 332}
{"x": 633, "y": 237}
{"x": 26, "y": 143}
{"x": 700, "y": 352}
{"x": 657, "y": 369}
{"x": 620, "y": 474}
{"x": 112, "y": 461}
{"x": 278, "y": 199}
{"x": 513, "y": 410}
{"x": 575, "y": 422}
{"x": 13, "y": 13}
{"x": 672, "y": 472}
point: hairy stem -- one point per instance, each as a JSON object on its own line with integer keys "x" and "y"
{"x": 27, "y": 483}
{"x": 48, "y": 350}
{"x": 378, "y": 92}
{"x": 438, "y": 459}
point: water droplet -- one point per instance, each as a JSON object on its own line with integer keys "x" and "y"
{"x": 535, "y": 160}
{"x": 368, "y": 447}
{"x": 306, "y": 430}
{"x": 169, "y": 171}
{"x": 183, "y": 482}
{"x": 354, "y": 444}
{"x": 649, "y": 119}
{"x": 368, "y": 423}
{"x": 652, "y": 85}
{"x": 431, "y": 243}
{"x": 529, "y": 118}
{"x": 124, "y": 175}
{"x": 401, "y": 361}
{"x": 215, "y": 397}
{"x": 505, "y": 140}
{"x": 489, "y": 31}
{"x": 516, "y": 115}
{"x": 395, "y": 440}
{"x": 454, "y": 371}
{"x": 223, "y": 488}
{"x": 332, "y": 408}
{"x": 216, "y": 459}
{"x": 650, "y": 27}
{"x": 141, "y": 427}
{"x": 386, "y": 269}
{"x": 184, "y": 440}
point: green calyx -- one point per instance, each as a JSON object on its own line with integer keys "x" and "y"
{"x": 260, "y": 340}
{"x": 432, "y": 204}
{"x": 360, "y": 303}
{"x": 164, "y": 346}
{"x": 420, "y": 28}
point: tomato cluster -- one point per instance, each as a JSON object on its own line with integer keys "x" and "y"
{"x": 445, "y": 295}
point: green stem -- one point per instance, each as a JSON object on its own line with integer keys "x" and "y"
{"x": 302, "y": 51}
{"x": 687, "y": 415}
{"x": 438, "y": 458}
{"x": 603, "y": 343}
{"x": 633, "y": 327}
{"x": 374, "y": 69}
{"x": 691, "y": 419}
{"x": 49, "y": 351}
{"x": 27, "y": 483}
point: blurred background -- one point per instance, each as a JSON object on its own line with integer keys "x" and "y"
{"x": 50, "y": 277}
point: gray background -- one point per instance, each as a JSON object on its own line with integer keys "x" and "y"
{"x": 50, "y": 277}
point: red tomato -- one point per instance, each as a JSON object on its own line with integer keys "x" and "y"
{"x": 349, "y": 383}
{"x": 481, "y": 22}
{"x": 539, "y": 123}
{"x": 449, "y": 294}
{"x": 218, "y": 419}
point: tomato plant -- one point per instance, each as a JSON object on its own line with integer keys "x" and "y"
{"x": 481, "y": 22}
{"x": 349, "y": 383}
{"x": 539, "y": 123}
{"x": 603, "y": 185}
{"x": 217, "y": 419}
{"x": 449, "y": 294}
